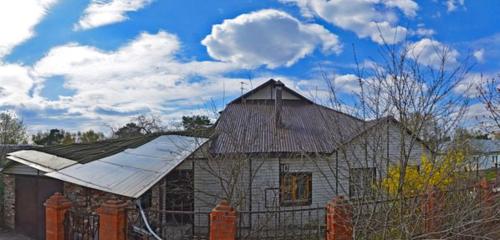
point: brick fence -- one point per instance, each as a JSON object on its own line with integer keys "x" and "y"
{"x": 224, "y": 218}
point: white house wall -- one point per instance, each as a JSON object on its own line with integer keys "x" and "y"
{"x": 326, "y": 184}
{"x": 268, "y": 93}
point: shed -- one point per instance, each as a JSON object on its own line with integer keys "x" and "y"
{"x": 124, "y": 167}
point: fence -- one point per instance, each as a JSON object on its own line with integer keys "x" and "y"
{"x": 445, "y": 214}
{"x": 81, "y": 226}
{"x": 175, "y": 225}
{"x": 297, "y": 223}
{"x": 472, "y": 211}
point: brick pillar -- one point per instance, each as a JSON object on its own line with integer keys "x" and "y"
{"x": 55, "y": 210}
{"x": 223, "y": 222}
{"x": 339, "y": 219}
{"x": 112, "y": 220}
{"x": 431, "y": 209}
{"x": 487, "y": 198}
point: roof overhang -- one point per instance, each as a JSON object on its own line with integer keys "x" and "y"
{"x": 41, "y": 161}
{"x": 128, "y": 173}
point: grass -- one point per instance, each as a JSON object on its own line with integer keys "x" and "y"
{"x": 490, "y": 174}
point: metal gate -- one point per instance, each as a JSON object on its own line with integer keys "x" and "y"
{"x": 171, "y": 225}
{"x": 31, "y": 193}
{"x": 81, "y": 226}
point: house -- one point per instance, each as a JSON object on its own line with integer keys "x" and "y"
{"x": 271, "y": 148}
{"x": 485, "y": 153}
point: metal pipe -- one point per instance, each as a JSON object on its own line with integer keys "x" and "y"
{"x": 143, "y": 215}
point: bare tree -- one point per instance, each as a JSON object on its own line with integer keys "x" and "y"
{"x": 489, "y": 95}
{"x": 12, "y": 131}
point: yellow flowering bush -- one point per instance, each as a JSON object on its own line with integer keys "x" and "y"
{"x": 440, "y": 173}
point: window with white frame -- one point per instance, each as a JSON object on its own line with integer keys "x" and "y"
{"x": 361, "y": 182}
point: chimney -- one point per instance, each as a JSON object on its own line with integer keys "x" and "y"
{"x": 278, "y": 102}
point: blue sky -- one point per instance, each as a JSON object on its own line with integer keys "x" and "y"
{"x": 91, "y": 64}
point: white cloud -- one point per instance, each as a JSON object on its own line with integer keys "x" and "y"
{"x": 267, "y": 37}
{"x": 452, "y": 5}
{"x": 409, "y": 7}
{"x": 15, "y": 85}
{"x": 140, "y": 77}
{"x": 348, "y": 83}
{"x": 18, "y": 19}
{"x": 431, "y": 52}
{"x": 424, "y": 32}
{"x": 468, "y": 87}
{"x": 375, "y": 19}
{"x": 104, "y": 12}
{"x": 479, "y": 55}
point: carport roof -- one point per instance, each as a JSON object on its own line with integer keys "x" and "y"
{"x": 124, "y": 167}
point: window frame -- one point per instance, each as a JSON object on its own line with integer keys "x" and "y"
{"x": 294, "y": 179}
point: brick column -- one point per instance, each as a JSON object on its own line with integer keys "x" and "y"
{"x": 431, "y": 208}
{"x": 55, "y": 210}
{"x": 112, "y": 220}
{"x": 223, "y": 222}
{"x": 487, "y": 198}
{"x": 339, "y": 219}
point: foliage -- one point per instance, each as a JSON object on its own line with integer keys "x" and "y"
{"x": 60, "y": 136}
{"x": 440, "y": 173}
{"x": 196, "y": 122}
{"x": 68, "y": 138}
{"x": 53, "y": 137}
{"x": 129, "y": 130}
{"x": 12, "y": 129}
{"x": 90, "y": 136}
{"x": 138, "y": 126}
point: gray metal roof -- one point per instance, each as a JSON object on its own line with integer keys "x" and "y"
{"x": 41, "y": 161}
{"x": 129, "y": 173}
{"x": 306, "y": 127}
{"x": 485, "y": 145}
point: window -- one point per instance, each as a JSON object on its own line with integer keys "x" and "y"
{"x": 296, "y": 189}
{"x": 361, "y": 182}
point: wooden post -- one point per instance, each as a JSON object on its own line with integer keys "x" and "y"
{"x": 223, "y": 222}
{"x": 55, "y": 210}
{"x": 339, "y": 219}
{"x": 112, "y": 220}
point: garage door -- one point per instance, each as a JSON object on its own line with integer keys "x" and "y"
{"x": 31, "y": 193}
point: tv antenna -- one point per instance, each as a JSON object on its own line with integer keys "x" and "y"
{"x": 242, "y": 87}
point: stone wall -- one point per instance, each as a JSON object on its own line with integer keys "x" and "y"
{"x": 9, "y": 200}
{"x": 87, "y": 199}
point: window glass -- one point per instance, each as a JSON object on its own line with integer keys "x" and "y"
{"x": 296, "y": 189}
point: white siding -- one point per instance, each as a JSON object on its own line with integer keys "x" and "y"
{"x": 268, "y": 93}
{"x": 378, "y": 148}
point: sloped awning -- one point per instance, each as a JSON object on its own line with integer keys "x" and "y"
{"x": 130, "y": 172}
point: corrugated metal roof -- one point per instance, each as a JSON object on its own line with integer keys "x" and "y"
{"x": 249, "y": 127}
{"x": 41, "y": 161}
{"x": 485, "y": 145}
{"x": 87, "y": 152}
{"x": 129, "y": 173}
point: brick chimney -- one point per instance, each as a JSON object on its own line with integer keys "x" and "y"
{"x": 278, "y": 102}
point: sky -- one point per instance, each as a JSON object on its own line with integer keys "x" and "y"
{"x": 91, "y": 64}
